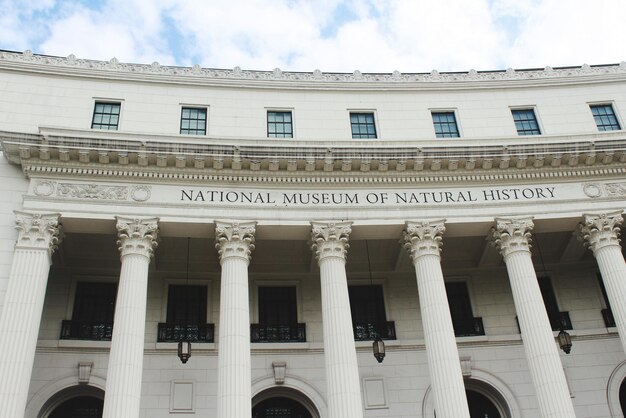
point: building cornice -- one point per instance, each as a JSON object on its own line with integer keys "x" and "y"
{"x": 62, "y": 152}
{"x": 196, "y": 75}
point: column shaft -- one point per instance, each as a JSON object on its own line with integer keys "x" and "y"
{"x": 544, "y": 363}
{"x": 423, "y": 240}
{"x": 234, "y": 242}
{"x": 124, "y": 374}
{"x": 330, "y": 244}
{"x": 23, "y": 305}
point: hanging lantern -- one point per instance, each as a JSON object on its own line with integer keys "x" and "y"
{"x": 379, "y": 349}
{"x": 565, "y": 341}
{"x": 184, "y": 350}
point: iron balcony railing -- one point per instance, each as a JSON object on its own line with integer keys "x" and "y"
{"x": 469, "y": 328}
{"x": 369, "y": 331}
{"x": 609, "y": 319}
{"x": 287, "y": 333}
{"x": 558, "y": 321}
{"x": 172, "y": 333}
{"x": 86, "y": 330}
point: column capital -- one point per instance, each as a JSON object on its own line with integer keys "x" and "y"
{"x": 234, "y": 239}
{"x": 421, "y": 238}
{"x": 511, "y": 235}
{"x": 137, "y": 236}
{"x": 599, "y": 230}
{"x": 37, "y": 231}
{"x": 330, "y": 239}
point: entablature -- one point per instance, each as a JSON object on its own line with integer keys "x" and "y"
{"x": 88, "y": 153}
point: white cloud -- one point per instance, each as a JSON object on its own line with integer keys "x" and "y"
{"x": 333, "y": 35}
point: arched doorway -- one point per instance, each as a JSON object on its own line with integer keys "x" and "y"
{"x": 622, "y": 396}
{"x": 481, "y": 406}
{"x": 280, "y": 407}
{"x": 79, "y": 407}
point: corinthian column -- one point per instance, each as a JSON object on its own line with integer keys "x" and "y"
{"x": 38, "y": 236}
{"x": 234, "y": 243}
{"x": 330, "y": 244}
{"x": 137, "y": 240}
{"x": 423, "y": 242}
{"x": 600, "y": 232}
{"x": 512, "y": 237}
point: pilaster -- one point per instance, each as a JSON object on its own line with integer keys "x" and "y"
{"x": 234, "y": 242}
{"x": 38, "y": 237}
{"x": 137, "y": 240}
{"x": 423, "y": 241}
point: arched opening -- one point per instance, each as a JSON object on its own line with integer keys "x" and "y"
{"x": 79, "y": 407}
{"x": 281, "y": 402}
{"x": 74, "y": 402}
{"x": 622, "y": 396}
{"x": 480, "y": 406}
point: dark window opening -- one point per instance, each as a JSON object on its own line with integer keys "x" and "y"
{"x": 362, "y": 125}
{"x": 369, "y": 319}
{"x": 186, "y": 315}
{"x": 607, "y": 313}
{"x": 526, "y": 122}
{"x": 92, "y": 317}
{"x": 558, "y": 320}
{"x": 106, "y": 116}
{"x": 461, "y": 311}
{"x": 278, "y": 316}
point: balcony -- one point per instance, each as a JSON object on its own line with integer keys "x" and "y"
{"x": 470, "y": 328}
{"x": 195, "y": 333}
{"x": 558, "y": 321}
{"x": 369, "y": 331}
{"x": 609, "y": 319}
{"x": 293, "y": 333}
{"x": 81, "y": 330}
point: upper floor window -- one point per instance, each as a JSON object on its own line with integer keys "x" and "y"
{"x": 369, "y": 319}
{"x": 445, "y": 125}
{"x": 106, "y": 115}
{"x": 558, "y": 320}
{"x": 279, "y": 124}
{"x": 278, "y": 316}
{"x": 525, "y": 122}
{"x": 92, "y": 317}
{"x": 193, "y": 121}
{"x": 362, "y": 125}
{"x": 463, "y": 319}
{"x": 605, "y": 117}
{"x": 186, "y": 315}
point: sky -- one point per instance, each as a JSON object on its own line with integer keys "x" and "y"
{"x": 330, "y": 35}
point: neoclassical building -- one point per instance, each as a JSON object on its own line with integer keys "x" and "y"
{"x": 230, "y": 243}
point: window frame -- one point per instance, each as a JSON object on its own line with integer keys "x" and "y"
{"x": 81, "y": 279}
{"x": 184, "y": 106}
{"x": 254, "y": 297}
{"x": 533, "y": 108}
{"x": 279, "y": 110}
{"x": 615, "y": 114}
{"x": 374, "y": 114}
{"x": 101, "y": 100}
{"x": 457, "y": 122}
{"x": 210, "y": 303}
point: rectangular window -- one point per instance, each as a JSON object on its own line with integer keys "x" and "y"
{"x": 92, "y": 317}
{"x": 106, "y": 116}
{"x": 278, "y": 316}
{"x": 445, "y": 125}
{"x": 605, "y": 117}
{"x": 463, "y": 319}
{"x": 525, "y": 122}
{"x": 193, "y": 121}
{"x": 369, "y": 320}
{"x": 186, "y": 315}
{"x": 279, "y": 124}
{"x": 607, "y": 313}
{"x": 558, "y": 320}
{"x": 362, "y": 125}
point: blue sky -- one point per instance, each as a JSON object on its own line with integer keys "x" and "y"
{"x": 330, "y": 35}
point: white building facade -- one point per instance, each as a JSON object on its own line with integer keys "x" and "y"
{"x": 280, "y": 222}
